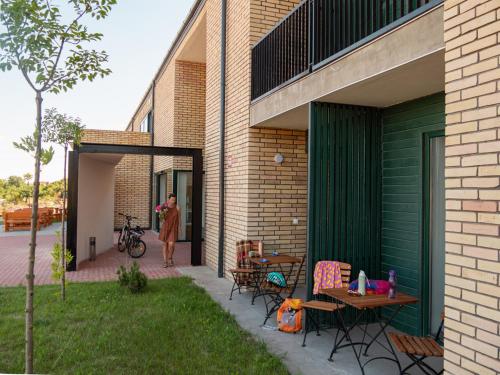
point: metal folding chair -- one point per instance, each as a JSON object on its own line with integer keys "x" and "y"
{"x": 313, "y": 307}
{"x": 417, "y": 349}
{"x": 275, "y": 292}
{"x": 244, "y": 274}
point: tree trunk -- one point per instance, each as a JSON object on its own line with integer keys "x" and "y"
{"x": 63, "y": 234}
{"x": 30, "y": 277}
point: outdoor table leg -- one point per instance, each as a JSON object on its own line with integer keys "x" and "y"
{"x": 383, "y": 326}
{"x": 258, "y": 282}
{"x": 348, "y": 336}
{"x": 345, "y": 336}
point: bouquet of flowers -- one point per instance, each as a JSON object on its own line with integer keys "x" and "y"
{"x": 162, "y": 210}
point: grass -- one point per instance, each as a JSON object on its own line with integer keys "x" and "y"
{"x": 174, "y": 328}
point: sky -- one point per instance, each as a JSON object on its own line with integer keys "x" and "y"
{"x": 137, "y": 36}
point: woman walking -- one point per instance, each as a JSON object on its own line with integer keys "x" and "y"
{"x": 170, "y": 230}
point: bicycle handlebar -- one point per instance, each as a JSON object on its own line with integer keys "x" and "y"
{"x": 128, "y": 216}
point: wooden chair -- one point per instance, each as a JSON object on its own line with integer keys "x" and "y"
{"x": 275, "y": 293}
{"x": 317, "y": 306}
{"x": 419, "y": 348}
{"x": 244, "y": 273}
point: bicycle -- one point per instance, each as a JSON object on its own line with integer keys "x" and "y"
{"x": 130, "y": 238}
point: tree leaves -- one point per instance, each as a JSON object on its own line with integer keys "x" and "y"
{"x": 61, "y": 128}
{"x": 28, "y": 145}
{"x": 48, "y": 51}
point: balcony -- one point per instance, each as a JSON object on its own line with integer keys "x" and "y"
{"x": 318, "y": 32}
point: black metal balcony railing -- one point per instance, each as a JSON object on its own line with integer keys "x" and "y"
{"x": 284, "y": 54}
{"x": 318, "y": 31}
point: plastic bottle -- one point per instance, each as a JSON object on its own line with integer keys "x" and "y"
{"x": 392, "y": 284}
{"x": 362, "y": 283}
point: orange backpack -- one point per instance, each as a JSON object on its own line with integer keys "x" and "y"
{"x": 290, "y": 315}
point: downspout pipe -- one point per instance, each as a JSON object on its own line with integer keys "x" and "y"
{"x": 222, "y": 137}
{"x": 151, "y": 162}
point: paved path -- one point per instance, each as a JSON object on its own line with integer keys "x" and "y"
{"x": 14, "y": 261}
{"x": 50, "y": 230}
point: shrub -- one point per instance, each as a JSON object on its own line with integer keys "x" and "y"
{"x": 57, "y": 252}
{"x": 134, "y": 279}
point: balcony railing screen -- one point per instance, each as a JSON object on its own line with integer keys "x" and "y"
{"x": 282, "y": 54}
{"x": 316, "y": 31}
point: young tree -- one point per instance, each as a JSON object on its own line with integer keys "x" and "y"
{"x": 63, "y": 130}
{"x": 28, "y": 144}
{"x": 49, "y": 50}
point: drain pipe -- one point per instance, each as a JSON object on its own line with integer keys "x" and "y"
{"x": 222, "y": 135}
{"x": 151, "y": 162}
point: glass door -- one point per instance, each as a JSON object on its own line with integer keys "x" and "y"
{"x": 434, "y": 240}
{"x": 184, "y": 201}
{"x": 161, "y": 193}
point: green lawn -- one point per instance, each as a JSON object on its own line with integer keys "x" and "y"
{"x": 173, "y": 328}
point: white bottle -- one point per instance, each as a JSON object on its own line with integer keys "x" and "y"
{"x": 362, "y": 283}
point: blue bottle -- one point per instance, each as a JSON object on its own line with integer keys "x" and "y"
{"x": 392, "y": 284}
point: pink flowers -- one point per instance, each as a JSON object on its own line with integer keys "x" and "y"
{"x": 162, "y": 210}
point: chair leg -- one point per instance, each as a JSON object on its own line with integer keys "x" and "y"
{"x": 235, "y": 286}
{"x": 306, "y": 331}
{"x": 311, "y": 320}
{"x": 276, "y": 301}
{"x": 419, "y": 362}
{"x": 232, "y": 291}
{"x": 317, "y": 323}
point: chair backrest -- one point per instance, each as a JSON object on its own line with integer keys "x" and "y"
{"x": 345, "y": 271}
{"x": 345, "y": 275}
{"x": 297, "y": 275}
{"x": 243, "y": 249}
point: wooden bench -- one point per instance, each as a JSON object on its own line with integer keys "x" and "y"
{"x": 21, "y": 219}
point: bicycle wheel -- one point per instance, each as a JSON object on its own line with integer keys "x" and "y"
{"x": 137, "y": 248}
{"x": 122, "y": 241}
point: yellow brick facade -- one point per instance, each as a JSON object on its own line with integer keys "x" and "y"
{"x": 263, "y": 197}
{"x": 141, "y": 113}
{"x": 251, "y": 175}
{"x": 472, "y": 29}
{"x": 190, "y": 109}
{"x": 132, "y": 178}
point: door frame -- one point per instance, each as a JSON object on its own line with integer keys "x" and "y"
{"x": 157, "y": 198}
{"x": 95, "y": 148}
{"x": 175, "y": 178}
{"x": 426, "y": 220}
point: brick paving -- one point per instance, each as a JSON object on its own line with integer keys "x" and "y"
{"x": 14, "y": 261}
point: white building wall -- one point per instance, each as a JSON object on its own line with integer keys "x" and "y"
{"x": 96, "y": 195}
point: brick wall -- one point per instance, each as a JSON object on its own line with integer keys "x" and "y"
{"x": 246, "y": 201}
{"x": 212, "y": 149}
{"x": 472, "y": 293}
{"x": 142, "y": 111}
{"x": 189, "y": 110}
{"x": 277, "y": 193}
{"x": 132, "y": 179}
{"x": 164, "y": 118}
{"x": 265, "y": 14}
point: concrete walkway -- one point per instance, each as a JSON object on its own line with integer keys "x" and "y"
{"x": 311, "y": 359}
{"x": 46, "y": 231}
{"x": 14, "y": 261}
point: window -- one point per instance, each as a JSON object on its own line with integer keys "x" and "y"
{"x": 145, "y": 126}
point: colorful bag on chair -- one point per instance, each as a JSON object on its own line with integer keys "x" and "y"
{"x": 290, "y": 315}
{"x": 276, "y": 278}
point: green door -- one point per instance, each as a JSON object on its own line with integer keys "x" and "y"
{"x": 434, "y": 231}
{"x": 406, "y": 127}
